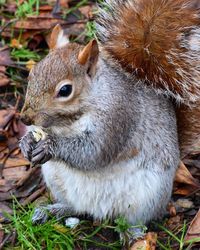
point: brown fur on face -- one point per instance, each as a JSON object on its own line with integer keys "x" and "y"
{"x": 41, "y": 105}
{"x": 155, "y": 40}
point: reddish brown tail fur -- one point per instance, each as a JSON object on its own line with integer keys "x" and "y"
{"x": 189, "y": 128}
{"x": 157, "y": 40}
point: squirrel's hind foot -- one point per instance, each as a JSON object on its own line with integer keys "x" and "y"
{"x": 132, "y": 234}
{"x": 42, "y": 213}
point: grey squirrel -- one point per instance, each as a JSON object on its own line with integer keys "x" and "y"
{"x": 108, "y": 110}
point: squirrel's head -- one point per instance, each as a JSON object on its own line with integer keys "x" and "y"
{"x": 59, "y": 84}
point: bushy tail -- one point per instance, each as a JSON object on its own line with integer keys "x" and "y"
{"x": 188, "y": 122}
{"x": 157, "y": 40}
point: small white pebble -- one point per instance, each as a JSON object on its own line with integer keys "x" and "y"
{"x": 72, "y": 222}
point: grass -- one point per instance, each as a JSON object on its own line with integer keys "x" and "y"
{"x": 90, "y": 31}
{"x": 175, "y": 238}
{"x": 54, "y": 235}
{"x": 25, "y": 54}
{"x": 30, "y": 7}
{"x": 74, "y": 8}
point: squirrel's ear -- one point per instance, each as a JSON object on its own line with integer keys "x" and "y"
{"x": 89, "y": 54}
{"x": 58, "y": 39}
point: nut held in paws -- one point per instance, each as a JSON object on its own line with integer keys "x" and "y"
{"x": 39, "y": 134}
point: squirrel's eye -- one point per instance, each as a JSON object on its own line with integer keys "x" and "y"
{"x": 65, "y": 91}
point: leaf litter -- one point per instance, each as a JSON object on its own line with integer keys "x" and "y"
{"x": 24, "y": 40}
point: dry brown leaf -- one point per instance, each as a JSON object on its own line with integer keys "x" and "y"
{"x": 5, "y": 56}
{"x": 64, "y": 3}
{"x": 186, "y": 190}
{"x": 30, "y": 185}
{"x": 86, "y": 11}
{"x": 139, "y": 245}
{"x": 184, "y": 176}
{"x": 14, "y": 173}
{"x": 41, "y": 23}
{"x": 172, "y": 210}
{"x": 46, "y": 8}
{"x": 6, "y": 185}
{"x": 149, "y": 243}
{"x": 194, "y": 229}
{"x": 174, "y": 222}
{"x": 16, "y": 162}
{"x": 4, "y": 80}
{"x": 2, "y": 69}
{"x": 5, "y": 116}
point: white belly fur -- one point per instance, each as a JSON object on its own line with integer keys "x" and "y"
{"x": 117, "y": 190}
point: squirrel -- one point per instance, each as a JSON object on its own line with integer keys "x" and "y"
{"x": 110, "y": 109}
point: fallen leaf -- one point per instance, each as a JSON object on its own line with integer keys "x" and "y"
{"x": 4, "y": 80}
{"x": 38, "y": 23}
{"x": 171, "y": 208}
{"x": 194, "y": 229}
{"x": 46, "y": 8}
{"x": 4, "y": 209}
{"x": 13, "y": 174}
{"x": 149, "y": 243}
{"x": 185, "y": 190}
{"x": 184, "y": 176}
{"x": 5, "y": 116}
{"x": 173, "y": 222}
{"x": 6, "y": 185}
{"x": 29, "y": 186}
{"x": 86, "y": 11}
{"x": 2, "y": 69}
{"x": 5, "y": 59}
{"x": 64, "y": 3}
{"x": 16, "y": 162}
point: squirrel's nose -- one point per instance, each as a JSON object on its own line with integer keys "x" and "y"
{"x": 27, "y": 116}
{"x": 26, "y": 119}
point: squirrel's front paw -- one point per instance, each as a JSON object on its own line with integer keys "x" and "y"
{"x": 27, "y": 144}
{"x": 43, "y": 151}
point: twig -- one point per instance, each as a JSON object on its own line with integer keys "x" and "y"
{"x": 102, "y": 237}
{"x": 5, "y": 240}
{"x": 7, "y": 24}
{"x": 14, "y": 236}
{"x": 4, "y": 161}
{"x": 33, "y": 196}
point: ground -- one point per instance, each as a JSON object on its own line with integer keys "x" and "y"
{"x": 24, "y": 33}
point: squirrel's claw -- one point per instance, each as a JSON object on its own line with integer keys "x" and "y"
{"x": 26, "y": 145}
{"x": 40, "y": 215}
{"x": 41, "y": 153}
